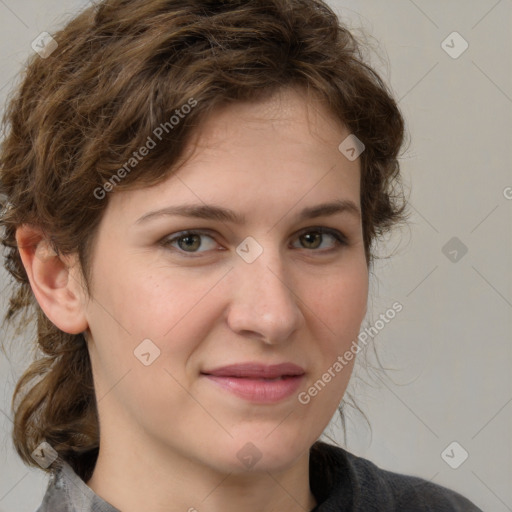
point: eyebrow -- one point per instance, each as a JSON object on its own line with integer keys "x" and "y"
{"x": 213, "y": 212}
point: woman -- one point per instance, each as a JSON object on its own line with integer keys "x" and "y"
{"x": 192, "y": 195}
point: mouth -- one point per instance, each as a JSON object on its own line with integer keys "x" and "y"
{"x": 256, "y": 382}
{"x": 257, "y": 371}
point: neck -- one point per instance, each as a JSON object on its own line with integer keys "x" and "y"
{"x": 158, "y": 479}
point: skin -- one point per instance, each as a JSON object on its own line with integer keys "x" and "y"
{"x": 169, "y": 436}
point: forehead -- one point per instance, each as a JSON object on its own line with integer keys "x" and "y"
{"x": 252, "y": 157}
{"x": 304, "y": 116}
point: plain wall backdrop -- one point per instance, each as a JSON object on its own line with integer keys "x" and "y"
{"x": 449, "y": 351}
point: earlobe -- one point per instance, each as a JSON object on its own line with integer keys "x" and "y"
{"x": 53, "y": 279}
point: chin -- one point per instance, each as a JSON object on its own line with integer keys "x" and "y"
{"x": 262, "y": 452}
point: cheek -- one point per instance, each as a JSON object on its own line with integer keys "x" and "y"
{"x": 169, "y": 312}
{"x": 340, "y": 304}
{"x": 149, "y": 303}
{"x": 130, "y": 307}
{"x": 339, "y": 308}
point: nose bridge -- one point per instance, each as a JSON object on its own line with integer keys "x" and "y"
{"x": 263, "y": 301}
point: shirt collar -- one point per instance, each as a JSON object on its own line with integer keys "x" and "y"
{"x": 67, "y": 492}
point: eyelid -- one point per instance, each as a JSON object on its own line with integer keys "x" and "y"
{"x": 167, "y": 240}
{"x": 340, "y": 238}
{"x": 336, "y": 233}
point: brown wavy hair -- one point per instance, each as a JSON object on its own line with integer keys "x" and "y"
{"x": 121, "y": 68}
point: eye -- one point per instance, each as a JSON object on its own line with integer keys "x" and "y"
{"x": 189, "y": 242}
{"x": 312, "y": 238}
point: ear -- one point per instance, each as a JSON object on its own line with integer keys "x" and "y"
{"x": 54, "y": 279}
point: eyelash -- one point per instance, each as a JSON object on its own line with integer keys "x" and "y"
{"x": 339, "y": 237}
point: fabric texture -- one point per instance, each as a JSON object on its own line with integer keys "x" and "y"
{"x": 339, "y": 481}
{"x": 343, "y": 482}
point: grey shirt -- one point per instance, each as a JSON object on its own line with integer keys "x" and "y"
{"x": 339, "y": 480}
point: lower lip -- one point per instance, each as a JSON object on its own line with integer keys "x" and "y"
{"x": 259, "y": 390}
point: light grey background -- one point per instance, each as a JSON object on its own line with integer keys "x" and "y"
{"x": 450, "y": 348}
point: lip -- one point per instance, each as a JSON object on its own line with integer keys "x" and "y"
{"x": 256, "y": 370}
{"x": 257, "y": 382}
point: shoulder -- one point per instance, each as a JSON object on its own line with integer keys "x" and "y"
{"x": 373, "y": 488}
{"x": 408, "y": 492}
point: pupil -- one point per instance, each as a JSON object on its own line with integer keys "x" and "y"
{"x": 188, "y": 238}
{"x": 309, "y": 236}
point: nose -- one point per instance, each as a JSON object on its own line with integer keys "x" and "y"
{"x": 264, "y": 303}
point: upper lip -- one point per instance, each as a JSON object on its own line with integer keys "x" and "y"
{"x": 256, "y": 370}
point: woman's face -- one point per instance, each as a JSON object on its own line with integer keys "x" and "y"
{"x": 166, "y": 312}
